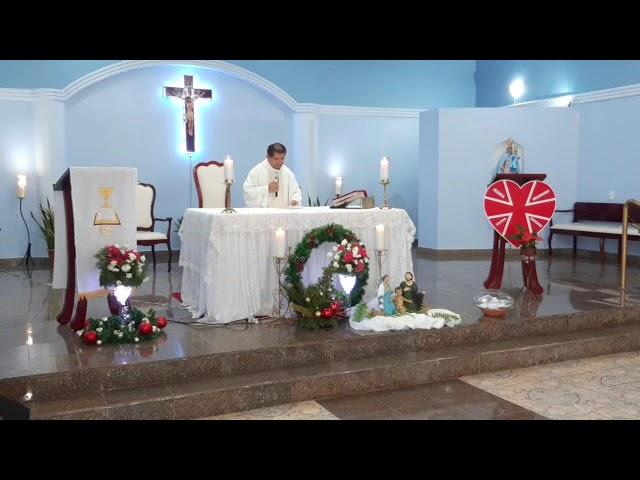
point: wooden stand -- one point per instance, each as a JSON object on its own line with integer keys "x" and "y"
{"x": 496, "y": 271}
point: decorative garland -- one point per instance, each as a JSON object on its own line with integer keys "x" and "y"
{"x": 142, "y": 326}
{"x": 320, "y": 305}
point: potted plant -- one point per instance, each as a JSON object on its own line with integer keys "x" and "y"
{"x": 528, "y": 242}
{"x": 47, "y": 229}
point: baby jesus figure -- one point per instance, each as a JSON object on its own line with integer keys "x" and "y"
{"x": 399, "y": 301}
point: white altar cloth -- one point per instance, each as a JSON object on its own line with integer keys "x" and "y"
{"x": 227, "y": 259}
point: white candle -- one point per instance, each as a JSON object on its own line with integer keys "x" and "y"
{"x": 280, "y": 243}
{"x": 338, "y": 185}
{"x": 22, "y": 186}
{"x": 384, "y": 170}
{"x": 380, "y": 236}
{"x": 229, "y": 173}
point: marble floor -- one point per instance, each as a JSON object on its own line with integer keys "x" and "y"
{"x": 598, "y": 388}
{"x": 33, "y": 343}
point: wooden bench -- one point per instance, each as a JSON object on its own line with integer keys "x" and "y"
{"x": 596, "y": 220}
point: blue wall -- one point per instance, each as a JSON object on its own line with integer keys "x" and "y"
{"x": 550, "y": 78}
{"x": 371, "y": 83}
{"x": 466, "y": 142}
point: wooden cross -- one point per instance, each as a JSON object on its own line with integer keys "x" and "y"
{"x": 190, "y": 95}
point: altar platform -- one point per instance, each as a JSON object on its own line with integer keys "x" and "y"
{"x": 197, "y": 371}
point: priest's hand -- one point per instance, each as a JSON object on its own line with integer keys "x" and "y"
{"x": 274, "y": 187}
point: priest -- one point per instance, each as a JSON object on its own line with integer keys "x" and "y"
{"x": 271, "y": 183}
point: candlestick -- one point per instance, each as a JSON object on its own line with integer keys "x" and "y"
{"x": 227, "y": 198}
{"x": 380, "y": 236}
{"x": 338, "y": 186}
{"x": 380, "y": 257}
{"x": 278, "y": 294}
{"x": 229, "y": 170}
{"x": 384, "y": 170}
{"x": 385, "y": 205}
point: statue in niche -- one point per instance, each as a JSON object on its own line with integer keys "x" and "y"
{"x": 511, "y": 160}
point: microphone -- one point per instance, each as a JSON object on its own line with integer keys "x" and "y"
{"x": 277, "y": 179}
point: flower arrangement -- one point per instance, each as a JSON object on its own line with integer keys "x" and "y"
{"x": 349, "y": 257}
{"x": 527, "y": 239}
{"x": 121, "y": 266}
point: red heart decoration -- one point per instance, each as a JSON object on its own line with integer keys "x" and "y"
{"x": 507, "y": 205}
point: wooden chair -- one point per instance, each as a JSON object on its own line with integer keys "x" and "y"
{"x": 209, "y": 179}
{"x": 146, "y": 234}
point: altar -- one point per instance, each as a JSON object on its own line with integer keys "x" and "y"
{"x": 227, "y": 259}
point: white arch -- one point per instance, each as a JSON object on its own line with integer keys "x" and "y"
{"x": 220, "y": 66}
{"x": 217, "y": 65}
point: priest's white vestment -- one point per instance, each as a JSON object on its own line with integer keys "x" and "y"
{"x": 256, "y": 187}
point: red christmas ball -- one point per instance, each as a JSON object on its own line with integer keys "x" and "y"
{"x": 146, "y": 329}
{"x": 335, "y": 306}
{"x": 327, "y": 313}
{"x": 90, "y": 337}
{"x": 162, "y": 322}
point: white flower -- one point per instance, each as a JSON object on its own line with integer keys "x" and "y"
{"x": 355, "y": 262}
{"x": 343, "y": 242}
{"x": 145, "y": 319}
{"x": 336, "y": 264}
{"x": 317, "y": 314}
{"x": 99, "y": 329}
{"x": 335, "y": 248}
{"x": 99, "y": 342}
{"x": 117, "y": 246}
{"x": 145, "y": 279}
{"x": 143, "y": 259}
{"x": 114, "y": 269}
{"x": 104, "y": 319}
{"x": 329, "y": 254}
{"x": 113, "y": 262}
{"x": 355, "y": 250}
{"x": 136, "y": 339}
{"x": 126, "y": 268}
{"x": 321, "y": 294}
{"x": 336, "y": 257}
{"x": 349, "y": 268}
{"x": 366, "y": 260}
{"x": 118, "y": 282}
{"x": 155, "y": 329}
{"x": 122, "y": 251}
{"x": 80, "y": 332}
{"x": 129, "y": 275}
{"x": 307, "y": 299}
{"x": 132, "y": 256}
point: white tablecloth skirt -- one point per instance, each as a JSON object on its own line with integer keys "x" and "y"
{"x": 227, "y": 259}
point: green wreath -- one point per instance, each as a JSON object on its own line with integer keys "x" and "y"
{"x": 320, "y": 305}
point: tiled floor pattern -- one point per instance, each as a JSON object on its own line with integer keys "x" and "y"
{"x": 604, "y": 387}
{"x": 599, "y": 388}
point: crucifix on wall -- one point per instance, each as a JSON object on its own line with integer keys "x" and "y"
{"x": 189, "y": 95}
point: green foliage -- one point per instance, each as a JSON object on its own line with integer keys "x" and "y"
{"x": 47, "y": 226}
{"x": 107, "y": 328}
{"x": 178, "y": 223}
{"x": 361, "y": 311}
{"x": 308, "y": 302}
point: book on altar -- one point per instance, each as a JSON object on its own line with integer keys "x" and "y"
{"x": 343, "y": 201}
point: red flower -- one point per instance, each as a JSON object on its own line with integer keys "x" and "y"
{"x": 363, "y": 253}
{"x": 360, "y": 267}
{"x": 348, "y": 257}
{"x": 341, "y": 248}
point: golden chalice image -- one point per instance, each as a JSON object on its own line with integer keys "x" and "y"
{"x": 106, "y": 216}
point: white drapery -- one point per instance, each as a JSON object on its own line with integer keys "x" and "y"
{"x": 104, "y": 213}
{"x": 228, "y": 271}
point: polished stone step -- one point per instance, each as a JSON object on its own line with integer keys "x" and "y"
{"x": 204, "y": 397}
{"x": 308, "y": 348}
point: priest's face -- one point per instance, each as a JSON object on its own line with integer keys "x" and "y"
{"x": 277, "y": 160}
